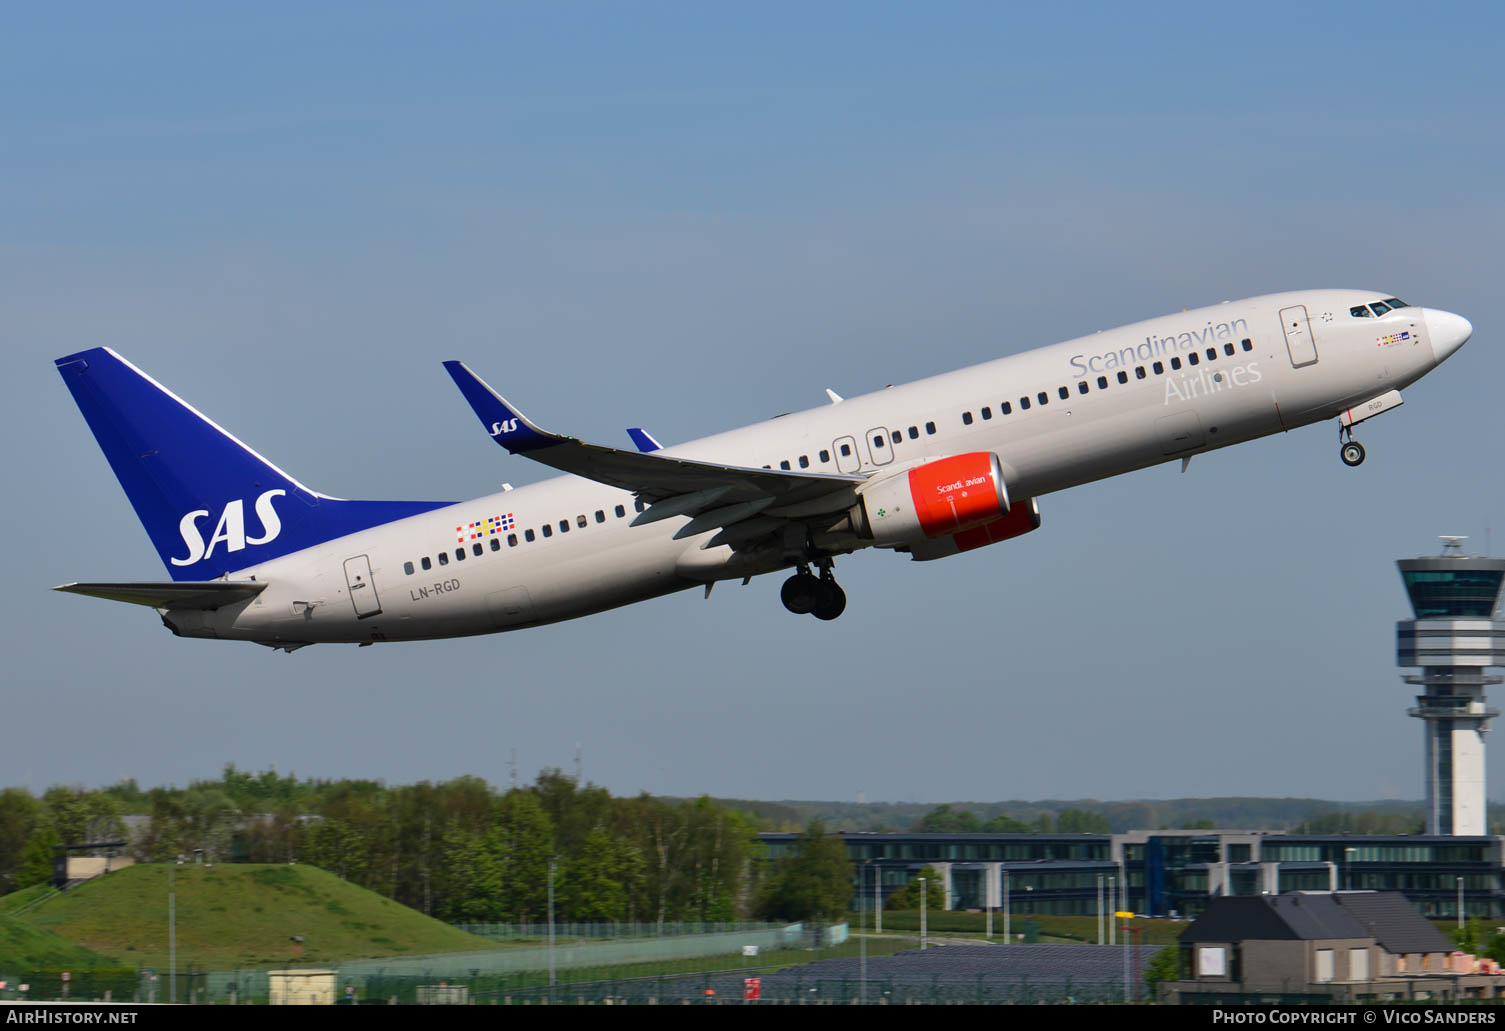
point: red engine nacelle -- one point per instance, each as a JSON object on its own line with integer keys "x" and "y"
{"x": 1023, "y": 517}
{"x": 933, "y": 500}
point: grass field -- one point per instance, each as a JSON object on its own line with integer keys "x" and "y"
{"x": 24, "y": 948}
{"x": 233, "y": 916}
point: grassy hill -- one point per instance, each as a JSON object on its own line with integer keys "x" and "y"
{"x": 236, "y": 916}
{"x": 24, "y": 948}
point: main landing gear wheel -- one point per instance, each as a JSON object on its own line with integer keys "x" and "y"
{"x": 1352, "y": 453}
{"x": 830, "y": 599}
{"x": 799, "y": 592}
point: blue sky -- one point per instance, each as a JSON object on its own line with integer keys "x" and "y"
{"x": 691, "y": 217}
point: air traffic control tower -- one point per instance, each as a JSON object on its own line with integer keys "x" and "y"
{"x": 1454, "y": 640}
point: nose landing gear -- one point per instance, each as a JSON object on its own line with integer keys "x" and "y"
{"x": 819, "y": 596}
{"x": 1350, "y": 450}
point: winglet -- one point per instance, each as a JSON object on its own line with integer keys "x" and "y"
{"x": 643, "y": 440}
{"x": 507, "y": 426}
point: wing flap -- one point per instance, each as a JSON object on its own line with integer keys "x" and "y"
{"x": 184, "y": 594}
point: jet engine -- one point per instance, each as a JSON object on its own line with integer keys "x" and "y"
{"x": 933, "y": 500}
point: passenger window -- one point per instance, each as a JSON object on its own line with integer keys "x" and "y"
{"x": 1081, "y": 387}
{"x": 1175, "y": 363}
{"x": 966, "y": 418}
{"x": 580, "y": 521}
{"x": 1123, "y": 377}
{"x": 1359, "y": 312}
{"x": 459, "y": 554}
{"x": 987, "y": 413}
{"x": 899, "y": 436}
{"x": 784, "y": 464}
{"x": 425, "y": 563}
{"x": 1212, "y": 354}
{"x": 846, "y": 451}
{"x": 930, "y": 427}
{"x": 1063, "y": 392}
{"x": 1191, "y": 356}
{"x": 1006, "y": 408}
{"x": 496, "y": 544}
{"x": 1228, "y": 350}
{"x": 407, "y": 567}
{"x": 914, "y": 433}
{"x": 1159, "y": 367}
{"x": 1248, "y": 344}
{"x": 804, "y": 461}
{"x": 476, "y": 549}
{"x": 1043, "y": 398}
{"x": 1024, "y": 404}
{"x": 878, "y": 441}
{"x": 640, "y": 504}
{"x": 443, "y": 559}
{"x": 1139, "y": 372}
{"x": 528, "y": 536}
{"x": 548, "y": 531}
{"x": 1102, "y": 383}
{"x": 564, "y": 526}
{"x": 825, "y": 456}
{"x": 620, "y": 511}
{"x": 512, "y": 540}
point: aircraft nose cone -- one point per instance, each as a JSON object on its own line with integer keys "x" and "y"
{"x": 1447, "y": 331}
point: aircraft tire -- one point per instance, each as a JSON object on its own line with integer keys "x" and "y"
{"x": 798, "y": 593}
{"x": 1352, "y": 453}
{"x": 830, "y": 600}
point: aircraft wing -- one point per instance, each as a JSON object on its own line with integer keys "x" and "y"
{"x": 717, "y": 495}
{"x": 183, "y": 594}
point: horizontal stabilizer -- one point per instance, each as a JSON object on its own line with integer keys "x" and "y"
{"x": 187, "y": 594}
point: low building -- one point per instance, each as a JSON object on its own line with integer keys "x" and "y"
{"x": 1176, "y": 873}
{"x": 1321, "y": 947}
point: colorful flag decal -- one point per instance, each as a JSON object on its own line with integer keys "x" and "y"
{"x": 1393, "y": 338}
{"x": 489, "y": 527}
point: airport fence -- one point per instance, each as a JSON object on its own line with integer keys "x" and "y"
{"x": 612, "y": 929}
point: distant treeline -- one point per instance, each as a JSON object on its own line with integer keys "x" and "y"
{"x": 1293, "y": 815}
{"x": 460, "y": 850}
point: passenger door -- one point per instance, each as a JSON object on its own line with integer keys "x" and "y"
{"x": 362, "y": 587}
{"x": 1298, "y": 330}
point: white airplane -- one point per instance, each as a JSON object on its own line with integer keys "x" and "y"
{"x": 931, "y": 468}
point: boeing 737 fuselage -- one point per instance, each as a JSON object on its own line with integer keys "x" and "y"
{"x": 932, "y": 468}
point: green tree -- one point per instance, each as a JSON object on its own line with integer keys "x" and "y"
{"x": 1080, "y": 821}
{"x": 599, "y": 878}
{"x": 945, "y": 820}
{"x": 20, "y": 816}
{"x": 1166, "y": 966}
{"x": 1003, "y": 824}
{"x": 908, "y": 897}
{"x": 36, "y": 858}
{"x": 815, "y": 881}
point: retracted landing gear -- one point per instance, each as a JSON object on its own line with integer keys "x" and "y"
{"x": 1350, "y": 450}
{"x": 820, "y": 596}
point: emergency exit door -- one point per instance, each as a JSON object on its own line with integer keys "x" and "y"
{"x": 362, "y": 587}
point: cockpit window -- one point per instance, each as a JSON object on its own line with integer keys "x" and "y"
{"x": 1359, "y": 311}
{"x": 1396, "y": 302}
{"x": 1380, "y": 308}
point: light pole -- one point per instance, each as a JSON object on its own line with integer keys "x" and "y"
{"x": 1460, "y": 903}
{"x": 862, "y": 921}
{"x": 172, "y": 937}
{"x": 552, "y": 860}
{"x": 923, "y": 893}
{"x": 1099, "y": 909}
{"x": 1008, "y": 935}
{"x": 878, "y": 899}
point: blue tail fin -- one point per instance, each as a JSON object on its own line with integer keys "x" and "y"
{"x": 210, "y": 504}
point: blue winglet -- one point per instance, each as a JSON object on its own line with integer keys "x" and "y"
{"x": 507, "y": 426}
{"x": 643, "y": 440}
